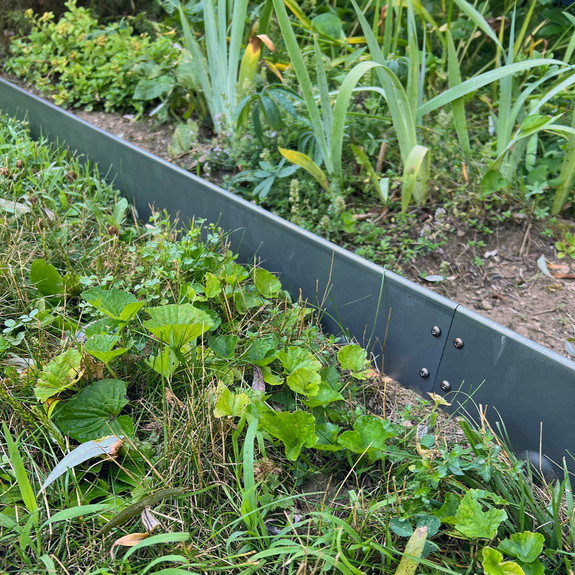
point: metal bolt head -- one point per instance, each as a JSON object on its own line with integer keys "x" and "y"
{"x": 458, "y": 343}
{"x": 435, "y": 331}
{"x": 445, "y": 385}
{"x": 424, "y": 372}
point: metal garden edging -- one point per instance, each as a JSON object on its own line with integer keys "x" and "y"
{"x": 526, "y": 386}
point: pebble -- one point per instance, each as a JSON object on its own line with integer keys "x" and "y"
{"x": 486, "y": 305}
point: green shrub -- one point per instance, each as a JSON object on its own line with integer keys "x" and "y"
{"x": 82, "y": 64}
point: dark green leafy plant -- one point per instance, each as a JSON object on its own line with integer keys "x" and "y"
{"x": 80, "y": 63}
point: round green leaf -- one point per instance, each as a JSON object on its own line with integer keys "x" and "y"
{"x": 95, "y": 412}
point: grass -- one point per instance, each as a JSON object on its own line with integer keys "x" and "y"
{"x": 207, "y": 477}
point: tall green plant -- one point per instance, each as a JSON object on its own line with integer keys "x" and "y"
{"x": 328, "y": 124}
{"x": 512, "y": 108}
{"x": 216, "y": 63}
{"x": 405, "y": 107}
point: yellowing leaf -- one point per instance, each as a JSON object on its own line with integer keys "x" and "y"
{"x": 493, "y": 564}
{"x": 307, "y": 164}
{"x": 60, "y": 374}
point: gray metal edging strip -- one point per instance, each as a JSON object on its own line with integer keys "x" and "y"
{"x": 404, "y": 316}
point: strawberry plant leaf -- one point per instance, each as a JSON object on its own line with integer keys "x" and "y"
{"x": 352, "y": 357}
{"x": 327, "y": 437}
{"x": 266, "y": 283}
{"x": 100, "y": 346}
{"x": 324, "y": 396}
{"x": 305, "y": 381}
{"x": 176, "y": 324}
{"x": 164, "y": 363}
{"x": 231, "y": 404}
{"x": 224, "y": 346}
{"x": 370, "y": 434}
{"x": 475, "y": 523}
{"x": 493, "y": 564}
{"x": 297, "y": 358}
{"x": 117, "y": 304}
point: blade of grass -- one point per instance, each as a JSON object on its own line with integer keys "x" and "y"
{"x": 457, "y": 106}
{"x": 340, "y": 111}
{"x": 395, "y": 96}
{"x": 415, "y": 177}
{"x": 22, "y": 480}
{"x": 479, "y": 21}
{"x": 566, "y": 175}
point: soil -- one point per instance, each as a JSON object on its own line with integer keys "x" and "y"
{"x": 501, "y": 280}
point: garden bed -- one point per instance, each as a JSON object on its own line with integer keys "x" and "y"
{"x": 495, "y": 274}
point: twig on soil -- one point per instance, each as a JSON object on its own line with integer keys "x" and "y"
{"x": 526, "y": 240}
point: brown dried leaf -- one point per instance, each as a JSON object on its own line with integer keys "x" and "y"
{"x": 267, "y": 41}
{"x": 149, "y": 521}
{"x": 130, "y": 540}
{"x": 258, "y": 384}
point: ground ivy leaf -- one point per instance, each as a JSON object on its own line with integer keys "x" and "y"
{"x": 266, "y": 283}
{"x": 304, "y": 381}
{"x": 212, "y": 286}
{"x": 231, "y": 404}
{"x": 352, "y": 357}
{"x": 370, "y": 434}
{"x": 46, "y": 278}
{"x": 471, "y": 521}
{"x": 261, "y": 351}
{"x": 295, "y": 430}
{"x": 117, "y": 304}
{"x": 94, "y": 412}
{"x": 493, "y": 564}
{"x": 526, "y": 546}
{"x": 176, "y": 324}
{"x": 401, "y": 527}
{"x": 298, "y": 358}
{"x": 61, "y": 373}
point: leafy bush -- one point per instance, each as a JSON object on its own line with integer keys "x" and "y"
{"x": 82, "y": 64}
